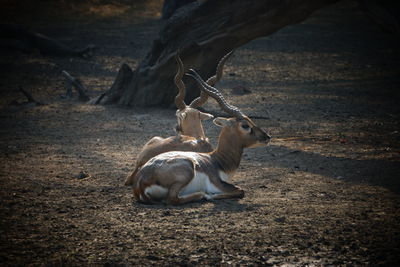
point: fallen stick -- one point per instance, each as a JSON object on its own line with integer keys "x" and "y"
{"x": 29, "y": 97}
{"x": 80, "y": 88}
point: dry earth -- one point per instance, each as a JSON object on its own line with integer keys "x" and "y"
{"x": 324, "y": 193}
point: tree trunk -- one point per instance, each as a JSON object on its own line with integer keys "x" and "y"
{"x": 170, "y": 6}
{"x": 204, "y": 31}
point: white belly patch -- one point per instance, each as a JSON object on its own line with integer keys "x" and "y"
{"x": 200, "y": 183}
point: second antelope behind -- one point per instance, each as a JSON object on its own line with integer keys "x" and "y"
{"x": 190, "y": 131}
{"x": 180, "y": 177}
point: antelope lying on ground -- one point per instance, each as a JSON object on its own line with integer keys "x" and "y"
{"x": 179, "y": 177}
{"x": 190, "y": 131}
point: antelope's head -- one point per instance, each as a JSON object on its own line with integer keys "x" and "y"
{"x": 241, "y": 127}
{"x": 246, "y": 132}
{"x": 188, "y": 116}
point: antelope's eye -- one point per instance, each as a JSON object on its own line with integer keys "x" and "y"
{"x": 245, "y": 126}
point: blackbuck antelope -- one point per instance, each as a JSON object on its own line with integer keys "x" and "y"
{"x": 190, "y": 131}
{"x": 179, "y": 177}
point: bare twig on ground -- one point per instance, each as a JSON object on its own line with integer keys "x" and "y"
{"x": 28, "y": 96}
{"x": 72, "y": 81}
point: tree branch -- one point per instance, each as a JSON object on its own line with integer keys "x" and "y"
{"x": 204, "y": 32}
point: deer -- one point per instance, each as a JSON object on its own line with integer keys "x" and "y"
{"x": 179, "y": 177}
{"x": 190, "y": 133}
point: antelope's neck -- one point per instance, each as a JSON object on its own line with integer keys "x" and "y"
{"x": 228, "y": 152}
{"x": 195, "y": 131}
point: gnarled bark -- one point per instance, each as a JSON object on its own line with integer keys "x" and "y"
{"x": 170, "y": 6}
{"x": 204, "y": 31}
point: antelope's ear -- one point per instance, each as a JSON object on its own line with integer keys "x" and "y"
{"x": 222, "y": 122}
{"x": 181, "y": 115}
{"x": 205, "y": 116}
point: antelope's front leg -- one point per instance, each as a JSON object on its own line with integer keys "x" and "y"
{"x": 174, "y": 198}
{"x": 231, "y": 191}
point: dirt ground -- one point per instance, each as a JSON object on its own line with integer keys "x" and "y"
{"x": 325, "y": 192}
